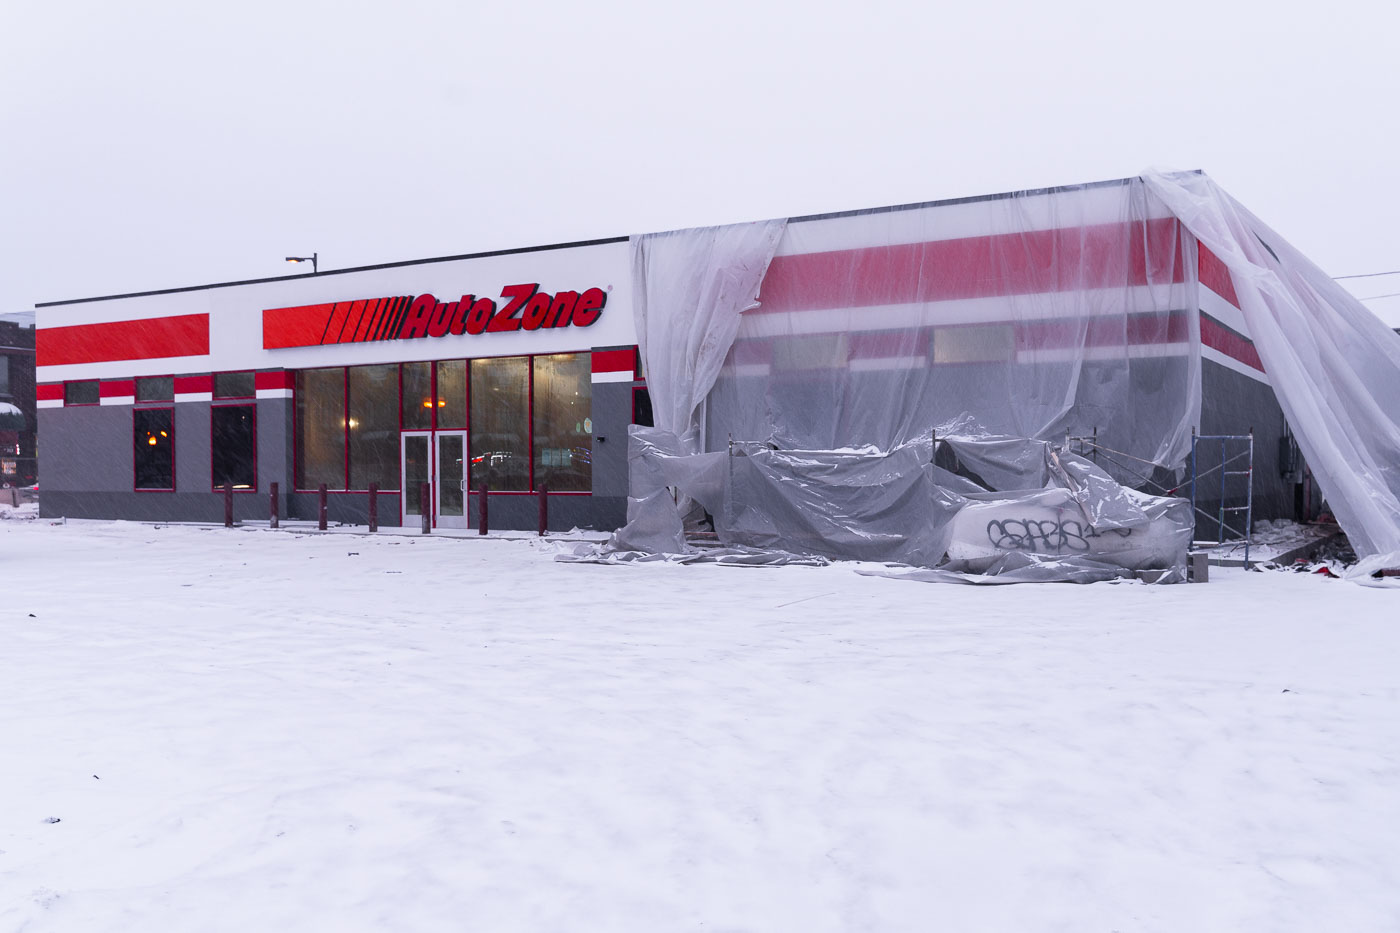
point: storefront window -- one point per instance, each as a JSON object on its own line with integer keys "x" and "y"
{"x": 153, "y": 435}
{"x": 363, "y": 410}
{"x": 451, "y": 394}
{"x": 234, "y": 442}
{"x": 320, "y": 429}
{"x": 234, "y": 385}
{"x": 374, "y": 426}
{"x": 81, "y": 393}
{"x": 155, "y": 389}
{"x": 417, "y": 396}
{"x": 500, "y": 420}
{"x": 563, "y": 426}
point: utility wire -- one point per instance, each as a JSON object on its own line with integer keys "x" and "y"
{"x": 1365, "y": 275}
{"x": 1374, "y": 297}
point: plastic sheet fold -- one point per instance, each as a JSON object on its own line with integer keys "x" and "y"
{"x": 899, "y": 507}
{"x": 903, "y": 385}
{"x": 1334, "y": 366}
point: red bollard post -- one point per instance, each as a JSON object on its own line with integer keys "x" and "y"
{"x": 373, "y": 507}
{"x": 482, "y": 509}
{"x": 425, "y": 505}
{"x": 228, "y": 505}
{"x": 544, "y": 508}
{"x": 321, "y": 508}
{"x": 272, "y": 517}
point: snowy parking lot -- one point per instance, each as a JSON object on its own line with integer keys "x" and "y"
{"x": 238, "y": 730}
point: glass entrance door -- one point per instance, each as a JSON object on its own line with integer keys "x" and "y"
{"x": 439, "y": 459}
{"x": 450, "y": 486}
{"x": 416, "y": 467}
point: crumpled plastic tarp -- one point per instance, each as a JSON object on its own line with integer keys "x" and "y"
{"x": 1062, "y": 517}
{"x": 811, "y": 381}
{"x": 1334, "y": 366}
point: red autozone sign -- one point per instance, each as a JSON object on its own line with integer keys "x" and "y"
{"x": 521, "y": 307}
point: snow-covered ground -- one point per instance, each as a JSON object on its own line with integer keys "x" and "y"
{"x": 240, "y": 730}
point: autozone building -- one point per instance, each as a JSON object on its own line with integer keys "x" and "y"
{"x": 513, "y": 369}
{"x": 1062, "y": 311}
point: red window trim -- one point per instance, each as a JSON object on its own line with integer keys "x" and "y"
{"x": 214, "y": 381}
{"x": 68, "y": 382}
{"x": 155, "y": 402}
{"x": 173, "y": 481}
{"x": 232, "y": 403}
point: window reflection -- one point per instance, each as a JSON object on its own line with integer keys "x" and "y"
{"x": 500, "y": 423}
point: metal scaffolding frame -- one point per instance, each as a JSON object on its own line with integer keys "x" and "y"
{"x": 1088, "y": 445}
{"x": 1226, "y": 459}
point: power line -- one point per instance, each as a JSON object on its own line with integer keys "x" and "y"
{"x": 1366, "y": 275}
{"x": 1373, "y": 297}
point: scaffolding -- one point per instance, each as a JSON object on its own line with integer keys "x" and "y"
{"x": 1227, "y": 459}
{"x": 1234, "y": 449}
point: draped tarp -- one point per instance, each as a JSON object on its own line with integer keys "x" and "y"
{"x": 690, "y": 288}
{"x": 1046, "y": 514}
{"x": 1070, "y": 311}
{"x": 812, "y": 380}
{"x": 1334, "y": 366}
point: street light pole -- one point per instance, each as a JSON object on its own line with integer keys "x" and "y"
{"x": 311, "y": 259}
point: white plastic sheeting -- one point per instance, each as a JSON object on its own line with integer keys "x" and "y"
{"x": 804, "y": 420}
{"x": 827, "y": 416}
{"x": 1071, "y": 311}
{"x": 690, "y": 288}
{"x": 1334, "y": 366}
{"x": 1046, "y": 514}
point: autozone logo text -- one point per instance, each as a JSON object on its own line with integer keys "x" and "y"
{"x": 408, "y": 317}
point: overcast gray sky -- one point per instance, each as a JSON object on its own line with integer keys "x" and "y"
{"x": 157, "y": 144}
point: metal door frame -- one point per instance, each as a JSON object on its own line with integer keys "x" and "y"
{"x": 403, "y": 472}
{"x": 449, "y": 521}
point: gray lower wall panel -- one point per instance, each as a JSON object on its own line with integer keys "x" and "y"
{"x": 612, "y": 413}
{"x": 507, "y": 513}
{"x": 85, "y": 448}
{"x": 152, "y": 506}
{"x": 1232, "y": 403}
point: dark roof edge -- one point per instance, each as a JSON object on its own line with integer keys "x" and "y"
{"x": 322, "y": 275}
{"x": 971, "y": 199}
{"x": 1029, "y": 192}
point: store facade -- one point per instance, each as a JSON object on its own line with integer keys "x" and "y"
{"x": 514, "y": 372}
{"x": 1094, "y": 313}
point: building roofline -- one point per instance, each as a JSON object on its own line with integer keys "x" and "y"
{"x": 1030, "y": 192}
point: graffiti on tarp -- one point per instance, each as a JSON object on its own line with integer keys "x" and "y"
{"x": 1055, "y": 536}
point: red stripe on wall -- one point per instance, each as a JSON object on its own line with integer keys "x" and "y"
{"x": 1219, "y": 337}
{"x": 1215, "y": 276}
{"x": 339, "y": 312}
{"x": 613, "y": 361}
{"x": 152, "y": 338}
{"x": 295, "y": 327}
{"x": 116, "y": 388}
{"x": 1038, "y": 261}
{"x": 371, "y": 318}
{"x": 359, "y": 315}
{"x": 188, "y": 385}
{"x": 49, "y": 392}
{"x": 278, "y": 379}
